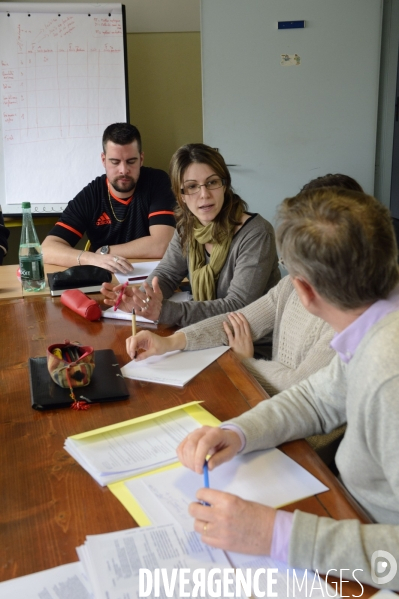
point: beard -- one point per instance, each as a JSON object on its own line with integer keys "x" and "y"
{"x": 124, "y": 187}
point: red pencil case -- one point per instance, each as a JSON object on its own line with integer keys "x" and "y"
{"x": 77, "y": 301}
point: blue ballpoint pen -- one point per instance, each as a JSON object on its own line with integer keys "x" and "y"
{"x": 206, "y": 479}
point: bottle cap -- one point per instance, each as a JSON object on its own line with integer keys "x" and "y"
{"x": 25, "y": 204}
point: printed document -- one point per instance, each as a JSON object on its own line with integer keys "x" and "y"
{"x": 268, "y": 476}
{"x": 112, "y": 561}
{"x": 69, "y": 580}
{"x": 116, "y": 454}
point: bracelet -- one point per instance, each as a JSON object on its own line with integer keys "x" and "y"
{"x": 80, "y": 256}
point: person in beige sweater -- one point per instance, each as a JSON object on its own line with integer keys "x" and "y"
{"x": 301, "y": 341}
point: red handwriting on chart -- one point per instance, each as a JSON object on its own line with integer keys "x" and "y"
{"x": 104, "y": 26}
{"x": 21, "y": 33}
{"x": 7, "y": 74}
{"x": 9, "y": 117}
{"x": 10, "y": 100}
{"x": 56, "y": 28}
{"x": 76, "y": 48}
{"x": 111, "y": 49}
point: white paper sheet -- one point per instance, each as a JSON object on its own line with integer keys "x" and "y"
{"x": 121, "y": 315}
{"x": 117, "y": 454}
{"x": 180, "y": 296}
{"x": 112, "y": 561}
{"x": 69, "y": 580}
{"x": 173, "y": 368}
{"x": 268, "y": 477}
{"x": 139, "y": 269}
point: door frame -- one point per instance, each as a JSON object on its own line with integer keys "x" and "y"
{"x": 386, "y": 101}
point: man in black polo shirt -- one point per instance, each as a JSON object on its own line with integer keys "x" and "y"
{"x": 126, "y": 213}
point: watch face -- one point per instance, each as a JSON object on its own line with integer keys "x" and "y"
{"x": 104, "y": 249}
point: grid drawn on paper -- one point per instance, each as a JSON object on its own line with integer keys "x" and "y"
{"x": 62, "y": 83}
{"x": 54, "y": 87}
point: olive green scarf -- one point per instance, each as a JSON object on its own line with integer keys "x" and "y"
{"x": 203, "y": 276}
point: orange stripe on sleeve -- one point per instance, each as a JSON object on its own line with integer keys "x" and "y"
{"x": 161, "y": 212}
{"x": 70, "y": 229}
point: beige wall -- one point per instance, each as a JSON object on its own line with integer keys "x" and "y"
{"x": 164, "y": 71}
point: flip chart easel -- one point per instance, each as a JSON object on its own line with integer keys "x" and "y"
{"x": 63, "y": 80}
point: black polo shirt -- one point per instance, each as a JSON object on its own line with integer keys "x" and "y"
{"x": 90, "y": 211}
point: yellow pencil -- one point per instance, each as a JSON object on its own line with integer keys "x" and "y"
{"x": 133, "y": 323}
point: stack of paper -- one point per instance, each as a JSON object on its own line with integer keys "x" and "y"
{"x": 164, "y": 561}
{"x": 69, "y": 580}
{"x": 117, "y": 452}
{"x": 139, "y": 562}
{"x": 113, "y": 561}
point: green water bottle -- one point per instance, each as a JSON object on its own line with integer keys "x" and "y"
{"x": 30, "y": 254}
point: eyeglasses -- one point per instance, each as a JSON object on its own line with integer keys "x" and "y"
{"x": 192, "y": 188}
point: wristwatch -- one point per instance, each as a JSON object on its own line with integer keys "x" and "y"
{"x": 104, "y": 249}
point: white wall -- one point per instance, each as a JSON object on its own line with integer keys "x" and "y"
{"x": 283, "y": 126}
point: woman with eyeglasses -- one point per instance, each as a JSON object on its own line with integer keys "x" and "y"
{"x": 228, "y": 254}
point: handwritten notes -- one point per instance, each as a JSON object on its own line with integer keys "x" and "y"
{"x": 62, "y": 83}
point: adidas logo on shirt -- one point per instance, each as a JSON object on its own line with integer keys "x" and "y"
{"x": 103, "y": 220}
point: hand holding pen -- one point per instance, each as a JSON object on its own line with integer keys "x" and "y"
{"x": 119, "y": 298}
{"x": 218, "y": 443}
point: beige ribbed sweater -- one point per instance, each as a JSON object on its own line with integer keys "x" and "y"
{"x": 301, "y": 342}
{"x": 301, "y": 346}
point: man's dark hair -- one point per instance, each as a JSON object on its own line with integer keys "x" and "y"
{"x": 122, "y": 134}
{"x": 330, "y": 180}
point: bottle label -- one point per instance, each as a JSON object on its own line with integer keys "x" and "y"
{"x": 31, "y": 270}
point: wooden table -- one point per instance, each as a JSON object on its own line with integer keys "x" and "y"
{"x": 48, "y": 503}
{"x": 11, "y": 288}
